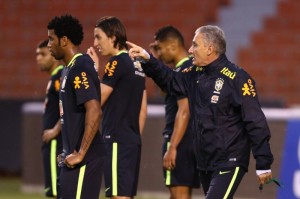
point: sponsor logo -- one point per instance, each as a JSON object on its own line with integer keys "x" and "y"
{"x": 83, "y": 81}
{"x": 225, "y": 71}
{"x": 224, "y": 172}
{"x": 139, "y": 73}
{"x": 248, "y": 88}
{"x": 77, "y": 82}
{"x": 110, "y": 68}
{"x": 187, "y": 69}
{"x": 214, "y": 99}
{"x": 56, "y": 85}
{"x": 198, "y": 68}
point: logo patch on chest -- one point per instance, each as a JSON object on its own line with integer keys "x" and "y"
{"x": 218, "y": 87}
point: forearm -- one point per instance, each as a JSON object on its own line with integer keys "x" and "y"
{"x": 143, "y": 113}
{"x": 168, "y": 80}
{"x": 92, "y": 120}
{"x": 181, "y": 123}
{"x": 57, "y": 127}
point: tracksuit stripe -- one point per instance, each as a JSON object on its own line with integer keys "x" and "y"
{"x": 168, "y": 172}
{"x": 232, "y": 182}
{"x": 114, "y": 169}
{"x": 80, "y": 181}
{"x": 53, "y": 166}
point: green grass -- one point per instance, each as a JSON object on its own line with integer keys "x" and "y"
{"x": 10, "y": 189}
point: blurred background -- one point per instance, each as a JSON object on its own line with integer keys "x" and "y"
{"x": 263, "y": 37}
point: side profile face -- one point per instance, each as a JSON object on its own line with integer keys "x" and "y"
{"x": 44, "y": 59}
{"x": 104, "y": 44}
{"x": 54, "y": 45}
{"x": 199, "y": 50}
{"x": 164, "y": 51}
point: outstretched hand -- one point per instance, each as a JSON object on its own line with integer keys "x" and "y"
{"x": 136, "y": 51}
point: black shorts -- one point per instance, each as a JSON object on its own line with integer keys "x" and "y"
{"x": 121, "y": 170}
{"x": 185, "y": 173}
{"x": 50, "y": 151}
{"x": 82, "y": 182}
{"x": 221, "y": 183}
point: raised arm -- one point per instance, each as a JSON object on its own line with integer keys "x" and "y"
{"x": 167, "y": 79}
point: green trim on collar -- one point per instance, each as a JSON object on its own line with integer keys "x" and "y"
{"x": 54, "y": 72}
{"x": 70, "y": 64}
{"x": 122, "y": 51}
{"x": 181, "y": 62}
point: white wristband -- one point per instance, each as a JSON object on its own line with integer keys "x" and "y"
{"x": 259, "y": 172}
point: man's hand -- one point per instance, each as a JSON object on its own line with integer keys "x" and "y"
{"x": 264, "y": 178}
{"x": 169, "y": 161}
{"x": 92, "y": 53}
{"x": 137, "y": 52}
{"x": 73, "y": 159}
{"x": 49, "y": 134}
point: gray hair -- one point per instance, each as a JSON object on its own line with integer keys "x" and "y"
{"x": 215, "y": 36}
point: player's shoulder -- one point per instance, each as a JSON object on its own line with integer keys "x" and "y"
{"x": 123, "y": 58}
{"x": 234, "y": 72}
{"x": 83, "y": 59}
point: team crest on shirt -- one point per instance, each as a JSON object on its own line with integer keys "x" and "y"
{"x": 218, "y": 85}
{"x": 81, "y": 81}
{"x": 110, "y": 68}
{"x": 248, "y": 88}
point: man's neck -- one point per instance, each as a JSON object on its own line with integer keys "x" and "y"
{"x": 181, "y": 55}
{"x": 70, "y": 53}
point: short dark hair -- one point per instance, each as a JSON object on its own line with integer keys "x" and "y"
{"x": 68, "y": 26}
{"x": 112, "y": 26}
{"x": 168, "y": 32}
{"x": 43, "y": 44}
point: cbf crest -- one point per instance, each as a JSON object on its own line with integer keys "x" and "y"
{"x": 218, "y": 85}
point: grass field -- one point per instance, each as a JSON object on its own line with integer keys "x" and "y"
{"x": 10, "y": 189}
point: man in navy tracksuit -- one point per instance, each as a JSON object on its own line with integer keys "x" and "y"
{"x": 226, "y": 115}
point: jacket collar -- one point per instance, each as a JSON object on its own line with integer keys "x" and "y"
{"x": 216, "y": 64}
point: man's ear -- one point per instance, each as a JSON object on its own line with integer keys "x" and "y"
{"x": 210, "y": 50}
{"x": 113, "y": 39}
{"x": 64, "y": 41}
